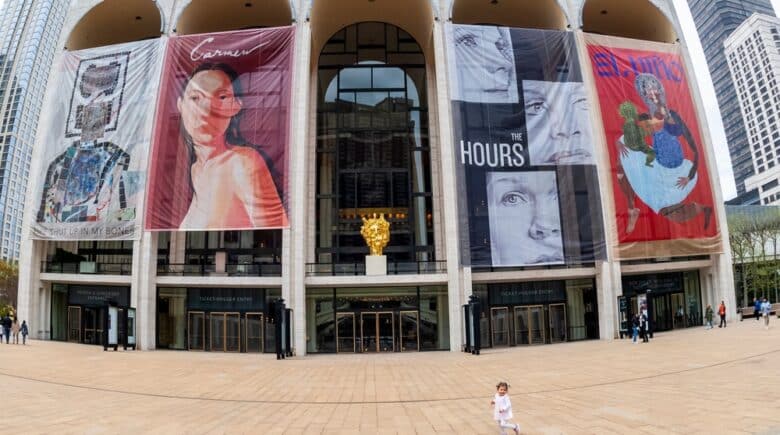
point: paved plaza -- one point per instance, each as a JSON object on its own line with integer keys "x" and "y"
{"x": 691, "y": 381}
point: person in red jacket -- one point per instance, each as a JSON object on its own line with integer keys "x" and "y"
{"x": 722, "y": 314}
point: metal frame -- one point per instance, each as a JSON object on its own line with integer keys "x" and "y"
{"x": 97, "y": 330}
{"x": 531, "y": 323}
{"x": 354, "y": 333}
{"x": 416, "y": 314}
{"x": 493, "y": 326}
{"x": 565, "y": 323}
{"x": 224, "y": 315}
{"x": 376, "y": 325}
{"x": 75, "y": 308}
{"x": 262, "y": 331}
{"x": 518, "y": 332}
{"x": 202, "y": 332}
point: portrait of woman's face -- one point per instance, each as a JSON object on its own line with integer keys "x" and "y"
{"x": 207, "y": 105}
{"x": 525, "y": 224}
{"x": 485, "y": 65}
{"x": 558, "y": 123}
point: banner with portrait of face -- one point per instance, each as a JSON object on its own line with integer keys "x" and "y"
{"x": 94, "y": 143}
{"x": 219, "y": 159}
{"x": 659, "y": 175}
{"x": 525, "y": 158}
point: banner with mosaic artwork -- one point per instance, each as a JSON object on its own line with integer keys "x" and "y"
{"x": 219, "y": 157}
{"x": 525, "y": 158}
{"x": 659, "y": 174}
{"x": 95, "y": 143}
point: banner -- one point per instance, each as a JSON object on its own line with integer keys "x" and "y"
{"x": 221, "y": 135}
{"x": 659, "y": 174}
{"x": 523, "y": 147}
{"x": 95, "y": 143}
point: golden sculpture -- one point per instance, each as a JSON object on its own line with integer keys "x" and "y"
{"x": 376, "y": 232}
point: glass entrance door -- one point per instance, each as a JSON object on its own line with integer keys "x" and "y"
{"x": 196, "y": 327}
{"x": 377, "y": 332}
{"x": 558, "y": 323}
{"x": 93, "y": 325}
{"x": 225, "y": 332}
{"x": 345, "y": 332}
{"x": 522, "y": 333}
{"x": 536, "y": 324}
{"x": 74, "y": 324}
{"x": 410, "y": 337}
{"x": 254, "y": 332}
{"x": 499, "y": 323}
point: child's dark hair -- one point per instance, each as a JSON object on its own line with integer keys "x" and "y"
{"x": 502, "y": 384}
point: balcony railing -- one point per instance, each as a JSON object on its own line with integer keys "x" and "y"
{"x": 87, "y": 267}
{"x": 393, "y": 268}
{"x": 258, "y": 269}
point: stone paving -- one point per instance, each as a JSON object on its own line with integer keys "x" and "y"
{"x": 690, "y": 381}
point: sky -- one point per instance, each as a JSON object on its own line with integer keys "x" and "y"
{"x": 708, "y": 95}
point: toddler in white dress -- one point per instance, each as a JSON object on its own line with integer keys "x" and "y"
{"x": 502, "y": 409}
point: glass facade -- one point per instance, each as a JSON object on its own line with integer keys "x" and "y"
{"x": 373, "y": 154}
{"x": 674, "y": 299}
{"x": 216, "y": 319}
{"x": 392, "y": 319}
{"x": 537, "y": 312}
{"x": 27, "y": 47}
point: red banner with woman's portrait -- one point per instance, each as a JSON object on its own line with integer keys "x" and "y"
{"x": 219, "y": 159}
{"x": 660, "y": 180}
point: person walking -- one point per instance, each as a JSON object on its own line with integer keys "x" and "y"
{"x": 644, "y": 328}
{"x": 722, "y": 314}
{"x": 15, "y": 330}
{"x": 635, "y": 327}
{"x": 766, "y": 307}
{"x": 708, "y": 316}
{"x": 24, "y": 330}
{"x": 757, "y": 308}
{"x": 6, "y": 328}
{"x": 502, "y": 409}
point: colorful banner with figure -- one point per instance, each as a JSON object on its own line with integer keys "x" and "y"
{"x": 659, "y": 174}
{"x": 523, "y": 148}
{"x": 221, "y": 136}
{"x": 95, "y": 143}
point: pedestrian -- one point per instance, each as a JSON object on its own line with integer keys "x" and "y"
{"x": 7, "y": 328}
{"x": 756, "y": 308}
{"x": 766, "y": 307}
{"x": 635, "y": 328}
{"x": 502, "y": 409}
{"x": 708, "y": 315}
{"x": 15, "y": 330}
{"x": 24, "y": 331}
{"x": 722, "y": 314}
{"x": 643, "y": 326}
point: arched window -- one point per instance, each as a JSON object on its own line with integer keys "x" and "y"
{"x": 115, "y": 22}
{"x": 636, "y": 19}
{"x": 373, "y": 154}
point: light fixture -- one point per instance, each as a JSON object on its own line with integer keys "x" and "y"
{"x": 493, "y": 2}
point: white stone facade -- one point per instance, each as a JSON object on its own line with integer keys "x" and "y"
{"x": 315, "y": 21}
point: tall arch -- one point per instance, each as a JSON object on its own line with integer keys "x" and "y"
{"x": 206, "y": 16}
{"x": 639, "y": 19}
{"x": 116, "y": 21}
{"x": 538, "y": 14}
{"x": 329, "y": 16}
{"x": 373, "y": 143}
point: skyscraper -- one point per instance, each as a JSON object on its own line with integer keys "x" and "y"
{"x": 715, "y": 21}
{"x": 753, "y": 54}
{"x": 28, "y": 39}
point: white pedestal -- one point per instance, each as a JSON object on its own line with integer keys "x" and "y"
{"x": 376, "y": 265}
